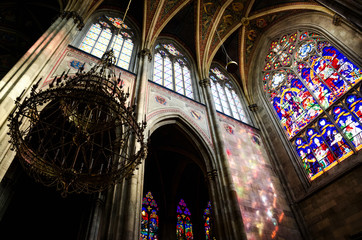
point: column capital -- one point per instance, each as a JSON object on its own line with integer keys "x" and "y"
{"x": 76, "y": 18}
{"x": 211, "y": 175}
{"x": 144, "y": 53}
{"x": 205, "y": 82}
{"x": 253, "y": 107}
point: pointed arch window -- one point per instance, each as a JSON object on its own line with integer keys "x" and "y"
{"x": 207, "y": 219}
{"x": 110, "y": 33}
{"x": 172, "y": 69}
{"x": 184, "y": 225}
{"x": 225, "y": 95}
{"x": 149, "y": 221}
{"x": 316, "y": 94}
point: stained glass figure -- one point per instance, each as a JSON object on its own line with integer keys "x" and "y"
{"x": 350, "y": 126}
{"x": 309, "y": 161}
{"x": 354, "y": 103}
{"x": 305, "y": 76}
{"x": 184, "y": 225}
{"x": 334, "y": 139}
{"x": 149, "y": 221}
{"x": 225, "y": 97}
{"x": 207, "y": 219}
{"x": 320, "y": 149}
{"x": 171, "y": 69}
{"x": 110, "y": 33}
{"x": 293, "y": 104}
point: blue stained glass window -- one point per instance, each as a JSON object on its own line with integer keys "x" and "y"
{"x": 103, "y": 36}
{"x": 334, "y": 139}
{"x": 310, "y": 163}
{"x": 171, "y": 69}
{"x": 225, "y": 97}
{"x": 184, "y": 224}
{"x": 149, "y": 221}
{"x": 354, "y": 104}
{"x": 320, "y": 149}
{"x": 351, "y": 128}
{"x": 313, "y": 84}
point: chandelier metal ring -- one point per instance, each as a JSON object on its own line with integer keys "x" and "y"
{"x": 77, "y": 135}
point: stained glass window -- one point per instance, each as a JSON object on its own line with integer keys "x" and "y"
{"x": 172, "y": 69}
{"x": 149, "y": 221}
{"x": 313, "y": 89}
{"x": 110, "y": 33}
{"x": 184, "y": 225}
{"x": 225, "y": 97}
{"x": 207, "y": 219}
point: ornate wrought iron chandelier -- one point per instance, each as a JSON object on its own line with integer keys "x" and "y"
{"x": 78, "y": 134}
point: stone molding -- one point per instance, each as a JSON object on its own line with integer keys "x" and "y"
{"x": 76, "y": 18}
{"x": 205, "y": 82}
{"x": 144, "y": 53}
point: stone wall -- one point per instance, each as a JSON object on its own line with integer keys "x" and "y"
{"x": 335, "y": 211}
{"x": 263, "y": 203}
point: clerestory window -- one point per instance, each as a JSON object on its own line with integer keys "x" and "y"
{"x": 172, "y": 69}
{"x": 110, "y": 33}
{"x": 225, "y": 95}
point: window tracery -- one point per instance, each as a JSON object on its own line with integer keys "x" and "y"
{"x": 172, "y": 69}
{"x": 225, "y": 96}
{"x": 110, "y": 33}
{"x": 315, "y": 92}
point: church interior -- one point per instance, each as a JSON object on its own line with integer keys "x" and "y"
{"x": 181, "y": 119}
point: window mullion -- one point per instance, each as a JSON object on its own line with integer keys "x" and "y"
{"x": 120, "y": 50}
{"x": 173, "y": 74}
{"x": 110, "y": 44}
{"x": 95, "y": 43}
{"x": 236, "y": 106}
{"x": 218, "y": 95}
{"x": 227, "y": 101}
{"x": 183, "y": 79}
{"x": 163, "y": 70}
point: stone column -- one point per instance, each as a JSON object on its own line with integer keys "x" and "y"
{"x": 121, "y": 213}
{"x": 36, "y": 63}
{"x": 134, "y": 184}
{"x": 231, "y": 226}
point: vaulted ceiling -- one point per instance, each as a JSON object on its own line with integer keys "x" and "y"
{"x": 204, "y": 27}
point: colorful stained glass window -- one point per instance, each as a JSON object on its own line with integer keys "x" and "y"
{"x": 310, "y": 85}
{"x": 184, "y": 224}
{"x": 149, "y": 221}
{"x": 351, "y": 128}
{"x": 110, "y": 33}
{"x": 207, "y": 219}
{"x": 225, "y": 97}
{"x": 171, "y": 70}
